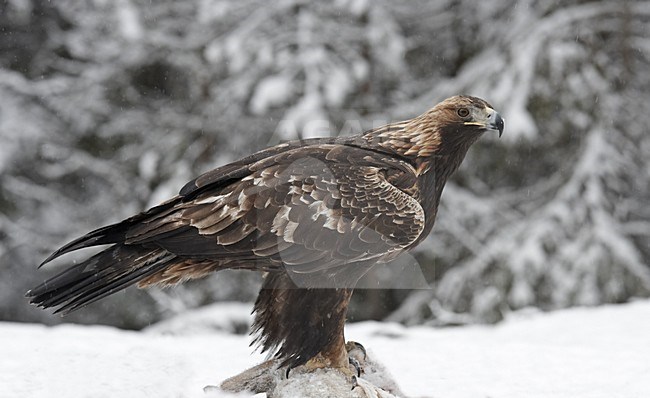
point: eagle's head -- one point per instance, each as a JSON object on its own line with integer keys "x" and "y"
{"x": 464, "y": 114}
{"x": 452, "y": 126}
{"x": 445, "y": 131}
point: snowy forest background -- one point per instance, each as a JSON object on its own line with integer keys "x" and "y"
{"x": 109, "y": 107}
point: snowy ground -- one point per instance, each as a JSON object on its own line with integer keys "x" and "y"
{"x": 585, "y": 352}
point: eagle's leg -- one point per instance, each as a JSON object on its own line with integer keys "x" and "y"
{"x": 350, "y": 363}
{"x": 304, "y": 326}
{"x": 333, "y": 356}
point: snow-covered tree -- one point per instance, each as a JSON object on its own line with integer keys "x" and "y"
{"x": 555, "y": 217}
{"x": 107, "y": 108}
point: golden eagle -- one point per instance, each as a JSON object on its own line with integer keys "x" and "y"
{"x": 313, "y": 215}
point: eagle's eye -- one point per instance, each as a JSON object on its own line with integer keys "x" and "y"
{"x": 463, "y": 112}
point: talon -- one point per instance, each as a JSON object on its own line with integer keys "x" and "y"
{"x": 287, "y": 373}
{"x": 357, "y": 356}
{"x": 354, "y": 383}
{"x": 356, "y": 364}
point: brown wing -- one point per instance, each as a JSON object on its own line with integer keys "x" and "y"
{"x": 310, "y": 209}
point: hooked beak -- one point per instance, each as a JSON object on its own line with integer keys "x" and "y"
{"x": 495, "y": 121}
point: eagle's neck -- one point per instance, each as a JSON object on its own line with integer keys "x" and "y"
{"x": 440, "y": 167}
{"x": 414, "y": 139}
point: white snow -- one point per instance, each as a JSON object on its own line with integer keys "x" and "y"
{"x": 581, "y": 352}
{"x": 306, "y": 119}
{"x": 129, "y": 21}
{"x": 271, "y": 91}
{"x": 338, "y": 86}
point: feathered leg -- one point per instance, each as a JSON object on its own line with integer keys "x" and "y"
{"x": 291, "y": 321}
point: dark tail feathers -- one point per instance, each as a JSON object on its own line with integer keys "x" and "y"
{"x": 115, "y": 233}
{"x": 101, "y": 275}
